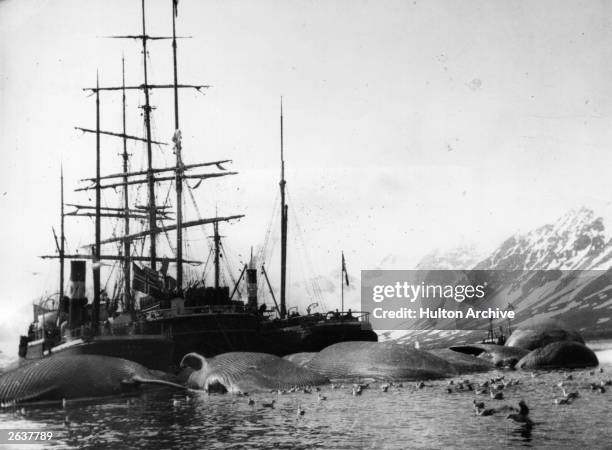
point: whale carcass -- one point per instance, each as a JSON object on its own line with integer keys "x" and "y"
{"x": 240, "y": 372}
{"x": 379, "y": 360}
{"x": 62, "y": 377}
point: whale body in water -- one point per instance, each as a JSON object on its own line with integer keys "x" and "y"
{"x": 379, "y": 360}
{"x": 559, "y": 355}
{"x": 240, "y": 372}
{"x": 64, "y": 377}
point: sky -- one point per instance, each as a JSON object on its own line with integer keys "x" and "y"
{"x": 410, "y": 126}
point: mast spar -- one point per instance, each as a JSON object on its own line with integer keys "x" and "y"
{"x": 217, "y": 242}
{"x": 179, "y": 162}
{"x": 150, "y": 179}
{"x": 61, "y": 248}
{"x": 127, "y": 298}
{"x": 96, "y": 249}
{"x": 282, "y": 184}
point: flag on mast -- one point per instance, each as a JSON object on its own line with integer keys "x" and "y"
{"x": 344, "y": 270}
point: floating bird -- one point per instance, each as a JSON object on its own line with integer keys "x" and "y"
{"x": 384, "y": 387}
{"x": 485, "y": 411}
{"x": 420, "y": 385}
{"x": 478, "y": 405}
{"x": 269, "y": 405}
{"x": 480, "y": 391}
{"x": 569, "y": 395}
{"x": 356, "y": 391}
{"x": 497, "y": 395}
{"x": 522, "y": 416}
{"x": 562, "y": 401}
{"x": 321, "y": 397}
{"x": 175, "y": 402}
{"x": 300, "y": 411}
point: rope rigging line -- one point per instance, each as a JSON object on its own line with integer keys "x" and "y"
{"x": 316, "y": 287}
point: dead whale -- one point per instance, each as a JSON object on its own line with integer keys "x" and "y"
{"x": 239, "y": 372}
{"x": 379, "y": 360}
{"x": 498, "y": 355}
{"x": 62, "y": 377}
{"x": 535, "y": 333}
{"x": 559, "y": 355}
{"x": 463, "y": 362}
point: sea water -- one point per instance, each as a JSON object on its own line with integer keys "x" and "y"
{"x": 403, "y": 417}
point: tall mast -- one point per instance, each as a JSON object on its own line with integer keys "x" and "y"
{"x": 96, "y": 249}
{"x": 179, "y": 162}
{"x": 342, "y": 265}
{"x": 147, "y": 119}
{"x": 217, "y": 241}
{"x": 127, "y": 298}
{"x": 62, "y": 238}
{"x": 283, "y": 306}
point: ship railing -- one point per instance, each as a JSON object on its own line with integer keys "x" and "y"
{"x": 190, "y": 310}
{"x": 348, "y": 316}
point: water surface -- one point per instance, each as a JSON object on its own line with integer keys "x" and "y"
{"x": 404, "y": 417}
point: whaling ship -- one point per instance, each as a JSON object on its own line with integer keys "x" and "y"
{"x": 169, "y": 319}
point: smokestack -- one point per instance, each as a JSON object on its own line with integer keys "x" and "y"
{"x": 77, "y": 280}
{"x": 77, "y": 293}
{"x": 251, "y": 282}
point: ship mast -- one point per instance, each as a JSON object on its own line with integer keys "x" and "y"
{"x": 179, "y": 162}
{"x": 96, "y": 249}
{"x": 150, "y": 178}
{"x": 217, "y": 241}
{"x": 127, "y": 300}
{"x": 283, "y": 306}
{"x": 61, "y": 249}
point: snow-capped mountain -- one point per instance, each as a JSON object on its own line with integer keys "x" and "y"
{"x": 577, "y": 241}
{"x": 561, "y": 270}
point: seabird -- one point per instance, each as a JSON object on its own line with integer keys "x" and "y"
{"x": 522, "y": 416}
{"x": 478, "y": 405}
{"x": 497, "y": 395}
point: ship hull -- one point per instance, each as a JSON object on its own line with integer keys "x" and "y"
{"x": 154, "y": 352}
{"x": 213, "y": 334}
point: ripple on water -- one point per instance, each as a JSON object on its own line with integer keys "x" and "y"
{"x": 404, "y": 417}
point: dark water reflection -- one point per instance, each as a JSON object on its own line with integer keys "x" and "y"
{"x": 404, "y": 417}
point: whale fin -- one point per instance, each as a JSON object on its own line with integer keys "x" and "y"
{"x": 139, "y": 380}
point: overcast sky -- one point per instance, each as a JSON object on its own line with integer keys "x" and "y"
{"x": 409, "y": 125}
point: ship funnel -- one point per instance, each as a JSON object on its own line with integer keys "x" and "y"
{"x": 77, "y": 279}
{"x": 76, "y": 310}
{"x": 251, "y": 282}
